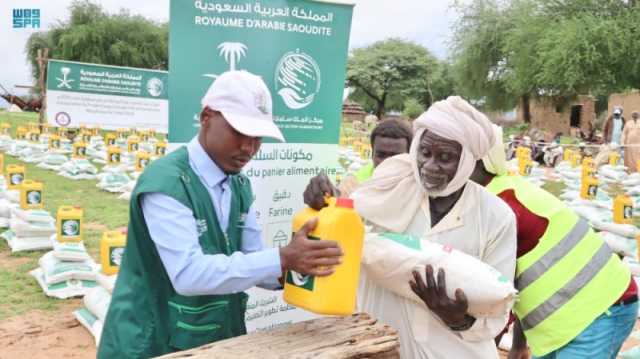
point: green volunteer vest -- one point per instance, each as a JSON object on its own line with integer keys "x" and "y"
{"x": 569, "y": 279}
{"x": 147, "y": 318}
{"x": 365, "y": 173}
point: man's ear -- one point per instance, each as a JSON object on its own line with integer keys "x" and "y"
{"x": 205, "y": 118}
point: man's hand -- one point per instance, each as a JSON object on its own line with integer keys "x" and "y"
{"x": 319, "y": 187}
{"x": 520, "y": 353}
{"x": 519, "y": 348}
{"x": 310, "y": 257}
{"x": 453, "y": 312}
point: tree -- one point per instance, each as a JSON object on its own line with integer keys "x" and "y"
{"x": 386, "y": 73}
{"x": 412, "y": 108}
{"x": 91, "y": 35}
{"x": 506, "y": 51}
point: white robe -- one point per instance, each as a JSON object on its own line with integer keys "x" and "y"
{"x": 480, "y": 224}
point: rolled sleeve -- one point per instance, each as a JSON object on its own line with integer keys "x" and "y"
{"x": 173, "y": 229}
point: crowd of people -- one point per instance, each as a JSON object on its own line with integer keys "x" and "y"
{"x": 194, "y": 243}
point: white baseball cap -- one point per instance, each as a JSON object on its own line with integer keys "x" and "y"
{"x": 245, "y": 102}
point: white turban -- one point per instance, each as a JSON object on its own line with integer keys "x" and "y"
{"x": 455, "y": 119}
{"x": 396, "y": 188}
{"x": 496, "y": 160}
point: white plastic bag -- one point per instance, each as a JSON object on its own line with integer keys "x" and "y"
{"x": 33, "y": 215}
{"x": 31, "y": 229}
{"x": 56, "y": 271}
{"x": 618, "y": 244}
{"x": 624, "y": 230}
{"x": 25, "y": 244}
{"x": 389, "y": 260}
{"x": 90, "y": 322}
{"x": 97, "y": 302}
{"x": 69, "y": 251}
{"x": 107, "y": 282}
{"x": 65, "y": 289}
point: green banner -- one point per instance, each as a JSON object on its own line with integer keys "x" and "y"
{"x": 298, "y": 47}
{"x": 106, "y": 80}
{"x": 108, "y": 96}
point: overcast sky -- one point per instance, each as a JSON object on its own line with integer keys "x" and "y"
{"x": 424, "y": 21}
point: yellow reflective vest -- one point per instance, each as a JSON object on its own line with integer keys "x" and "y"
{"x": 569, "y": 279}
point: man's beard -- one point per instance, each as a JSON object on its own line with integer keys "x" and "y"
{"x": 433, "y": 189}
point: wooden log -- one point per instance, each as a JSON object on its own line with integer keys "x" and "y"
{"x": 356, "y": 336}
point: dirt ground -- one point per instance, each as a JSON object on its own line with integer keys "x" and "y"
{"x": 41, "y": 334}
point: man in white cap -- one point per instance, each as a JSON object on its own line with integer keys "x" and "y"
{"x": 194, "y": 245}
{"x": 427, "y": 194}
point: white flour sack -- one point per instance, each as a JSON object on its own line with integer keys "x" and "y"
{"x": 389, "y": 260}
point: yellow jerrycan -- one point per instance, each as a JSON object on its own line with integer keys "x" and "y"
{"x": 114, "y": 154}
{"x": 110, "y": 139}
{"x": 15, "y": 176}
{"x": 54, "y": 142}
{"x": 576, "y": 159}
{"x": 69, "y": 224}
{"x": 79, "y": 150}
{"x": 589, "y": 188}
{"x": 31, "y": 196}
{"x": 112, "y": 247}
{"x": 6, "y": 128}
{"x": 524, "y": 166}
{"x": 335, "y": 294}
{"x": 133, "y": 143}
{"x": 161, "y": 149}
{"x": 566, "y": 154}
{"x": 588, "y": 167}
{"x": 614, "y": 158}
{"x": 142, "y": 160}
{"x": 623, "y": 209}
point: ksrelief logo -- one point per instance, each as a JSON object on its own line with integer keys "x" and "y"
{"x": 16, "y": 178}
{"x": 70, "y": 228}
{"x": 34, "y": 197}
{"x": 155, "y": 87}
{"x": 297, "y": 79}
{"x": 115, "y": 256}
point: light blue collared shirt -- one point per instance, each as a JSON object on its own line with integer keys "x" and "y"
{"x": 173, "y": 229}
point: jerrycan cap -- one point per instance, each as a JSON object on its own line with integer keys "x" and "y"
{"x": 344, "y": 202}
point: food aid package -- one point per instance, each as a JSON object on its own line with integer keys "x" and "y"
{"x": 90, "y": 322}
{"x": 56, "y": 271}
{"x": 389, "y": 260}
{"x": 107, "y": 282}
{"x": 618, "y": 244}
{"x": 65, "y": 289}
{"x": 624, "y": 230}
{"x": 25, "y": 244}
{"x": 69, "y": 251}
{"x": 97, "y": 301}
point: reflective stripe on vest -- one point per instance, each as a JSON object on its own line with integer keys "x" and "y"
{"x": 569, "y": 279}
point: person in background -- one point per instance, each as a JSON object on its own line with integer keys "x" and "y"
{"x": 388, "y": 138}
{"x": 631, "y": 137}
{"x": 577, "y": 299}
{"x": 613, "y": 126}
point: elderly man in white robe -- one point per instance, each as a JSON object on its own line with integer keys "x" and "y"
{"x": 427, "y": 193}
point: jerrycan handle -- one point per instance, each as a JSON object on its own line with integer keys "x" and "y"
{"x": 344, "y": 202}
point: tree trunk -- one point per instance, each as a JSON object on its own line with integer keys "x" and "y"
{"x": 356, "y": 336}
{"x": 380, "y": 110}
{"x": 526, "y": 108}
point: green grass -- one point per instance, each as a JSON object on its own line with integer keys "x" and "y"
{"x": 19, "y": 292}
